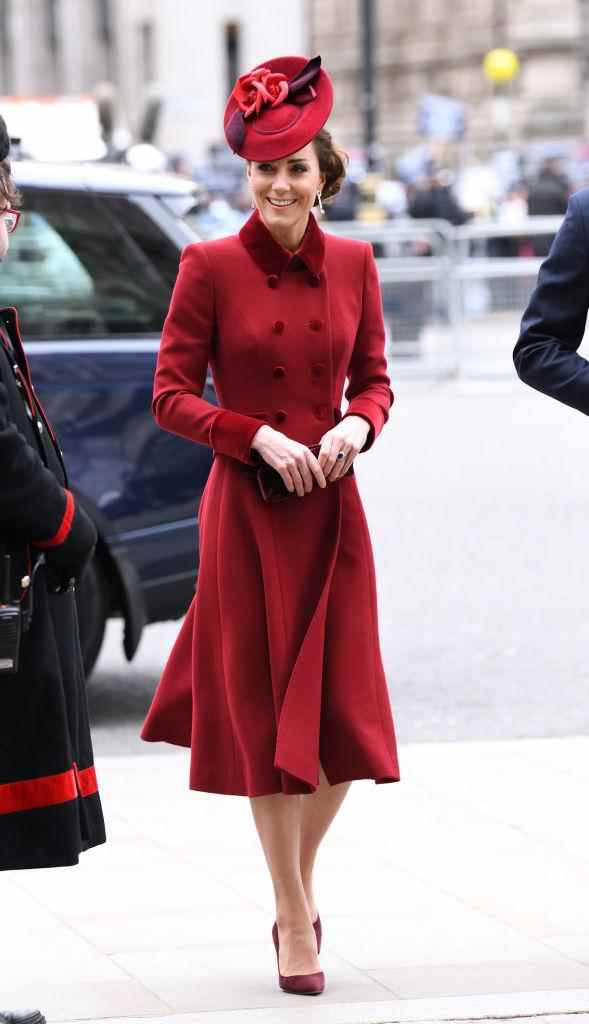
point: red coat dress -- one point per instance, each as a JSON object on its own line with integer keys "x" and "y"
{"x": 277, "y": 666}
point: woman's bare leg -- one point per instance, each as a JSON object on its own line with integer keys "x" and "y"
{"x": 319, "y": 810}
{"x": 278, "y": 821}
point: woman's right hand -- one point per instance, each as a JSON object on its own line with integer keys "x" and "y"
{"x": 296, "y": 464}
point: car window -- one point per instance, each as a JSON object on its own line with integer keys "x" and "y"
{"x": 87, "y": 266}
{"x": 161, "y": 252}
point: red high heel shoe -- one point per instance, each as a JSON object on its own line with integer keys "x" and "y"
{"x": 298, "y": 984}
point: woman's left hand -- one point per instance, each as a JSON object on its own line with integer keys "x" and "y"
{"x": 348, "y": 437}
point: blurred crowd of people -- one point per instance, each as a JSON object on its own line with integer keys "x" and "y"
{"x": 477, "y": 191}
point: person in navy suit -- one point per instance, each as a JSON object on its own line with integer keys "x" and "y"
{"x": 546, "y": 354}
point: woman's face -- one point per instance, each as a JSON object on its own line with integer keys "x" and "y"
{"x": 284, "y": 191}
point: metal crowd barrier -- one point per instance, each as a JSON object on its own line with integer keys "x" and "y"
{"x": 453, "y": 297}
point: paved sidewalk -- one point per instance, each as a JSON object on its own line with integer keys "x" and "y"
{"x": 461, "y": 893}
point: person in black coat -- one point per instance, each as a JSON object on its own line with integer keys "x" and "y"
{"x": 553, "y": 325}
{"x": 548, "y": 193}
{"x": 434, "y": 200}
{"x": 50, "y": 809}
{"x": 548, "y": 196}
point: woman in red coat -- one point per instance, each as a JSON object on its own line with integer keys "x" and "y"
{"x": 276, "y": 679}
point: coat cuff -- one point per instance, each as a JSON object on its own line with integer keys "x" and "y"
{"x": 232, "y": 434}
{"x": 370, "y": 412}
{"x": 64, "y": 528}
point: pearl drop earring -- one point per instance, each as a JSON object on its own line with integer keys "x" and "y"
{"x": 321, "y": 209}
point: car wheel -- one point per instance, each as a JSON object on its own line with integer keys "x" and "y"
{"x": 92, "y": 602}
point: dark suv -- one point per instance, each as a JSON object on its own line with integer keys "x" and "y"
{"x": 90, "y": 271}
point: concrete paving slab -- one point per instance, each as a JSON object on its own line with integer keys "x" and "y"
{"x": 537, "y": 1007}
{"x": 149, "y": 932}
{"x": 92, "y": 890}
{"x": 232, "y": 977}
{"x": 481, "y": 978}
{"x": 63, "y": 998}
{"x": 440, "y": 937}
{"x": 457, "y": 907}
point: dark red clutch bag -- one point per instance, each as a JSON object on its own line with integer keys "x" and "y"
{"x": 271, "y": 485}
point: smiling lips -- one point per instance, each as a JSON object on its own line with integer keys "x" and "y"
{"x": 281, "y": 202}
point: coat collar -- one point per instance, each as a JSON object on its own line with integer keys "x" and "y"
{"x": 270, "y": 255}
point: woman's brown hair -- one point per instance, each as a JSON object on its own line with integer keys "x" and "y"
{"x": 332, "y": 163}
{"x": 8, "y": 189}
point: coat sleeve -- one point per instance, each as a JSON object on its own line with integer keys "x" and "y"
{"x": 33, "y": 503}
{"x": 368, "y": 391}
{"x": 553, "y": 325}
{"x": 182, "y": 366}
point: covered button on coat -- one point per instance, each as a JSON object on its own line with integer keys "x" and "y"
{"x": 277, "y": 666}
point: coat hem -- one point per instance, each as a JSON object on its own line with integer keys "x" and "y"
{"x": 57, "y": 862}
{"x": 227, "y": 791}
{"x": 37, "y": 861}
{"x": 184, "y": 744}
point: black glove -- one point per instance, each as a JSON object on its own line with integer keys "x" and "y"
{"x": 67, "y": 563}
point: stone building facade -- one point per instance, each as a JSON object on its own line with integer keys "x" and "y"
{"x": 437, "y": 46}
{"x": 191, "y": 49}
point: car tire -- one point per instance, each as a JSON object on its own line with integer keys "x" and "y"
{"x": 92, "y": 602}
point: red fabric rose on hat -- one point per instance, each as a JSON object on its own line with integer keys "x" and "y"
{"x": 260, "y": 88}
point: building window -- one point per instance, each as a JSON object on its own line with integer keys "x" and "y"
{"x": 52, "y": 32}
{"x": 52, "y": 37}
{"x": 232, "y": 41}
{"x": 147, "y": 52}
{"x": 106, "y": 41}
{"x": 5, "y": 47}
{"x": 104, "y": 22}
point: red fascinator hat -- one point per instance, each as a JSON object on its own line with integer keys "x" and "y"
{"x": 278, "y": 108}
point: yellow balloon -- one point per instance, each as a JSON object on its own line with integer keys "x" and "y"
{"x": 501, "y": 65}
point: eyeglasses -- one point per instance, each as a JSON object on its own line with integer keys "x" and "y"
{"x": 11, "y": 219}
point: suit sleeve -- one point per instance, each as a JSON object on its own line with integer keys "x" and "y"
{"x": 181, "y": 369}
{"x": 34, "y": 504}
{"x": 368, "y": 391}
{"x": 553, "y": 325}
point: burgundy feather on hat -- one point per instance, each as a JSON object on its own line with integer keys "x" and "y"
{"x": 277, "y": 108}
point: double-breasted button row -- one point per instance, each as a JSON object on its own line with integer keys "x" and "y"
{"x": 317, "y": 370}
{"x": 321, "y": 412}
{"x": 273, "y": 281}
{"x": 279, "y": 325}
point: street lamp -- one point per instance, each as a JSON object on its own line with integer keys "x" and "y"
{"x": 367, "y": 86}
{"x": 501, "y": 67}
